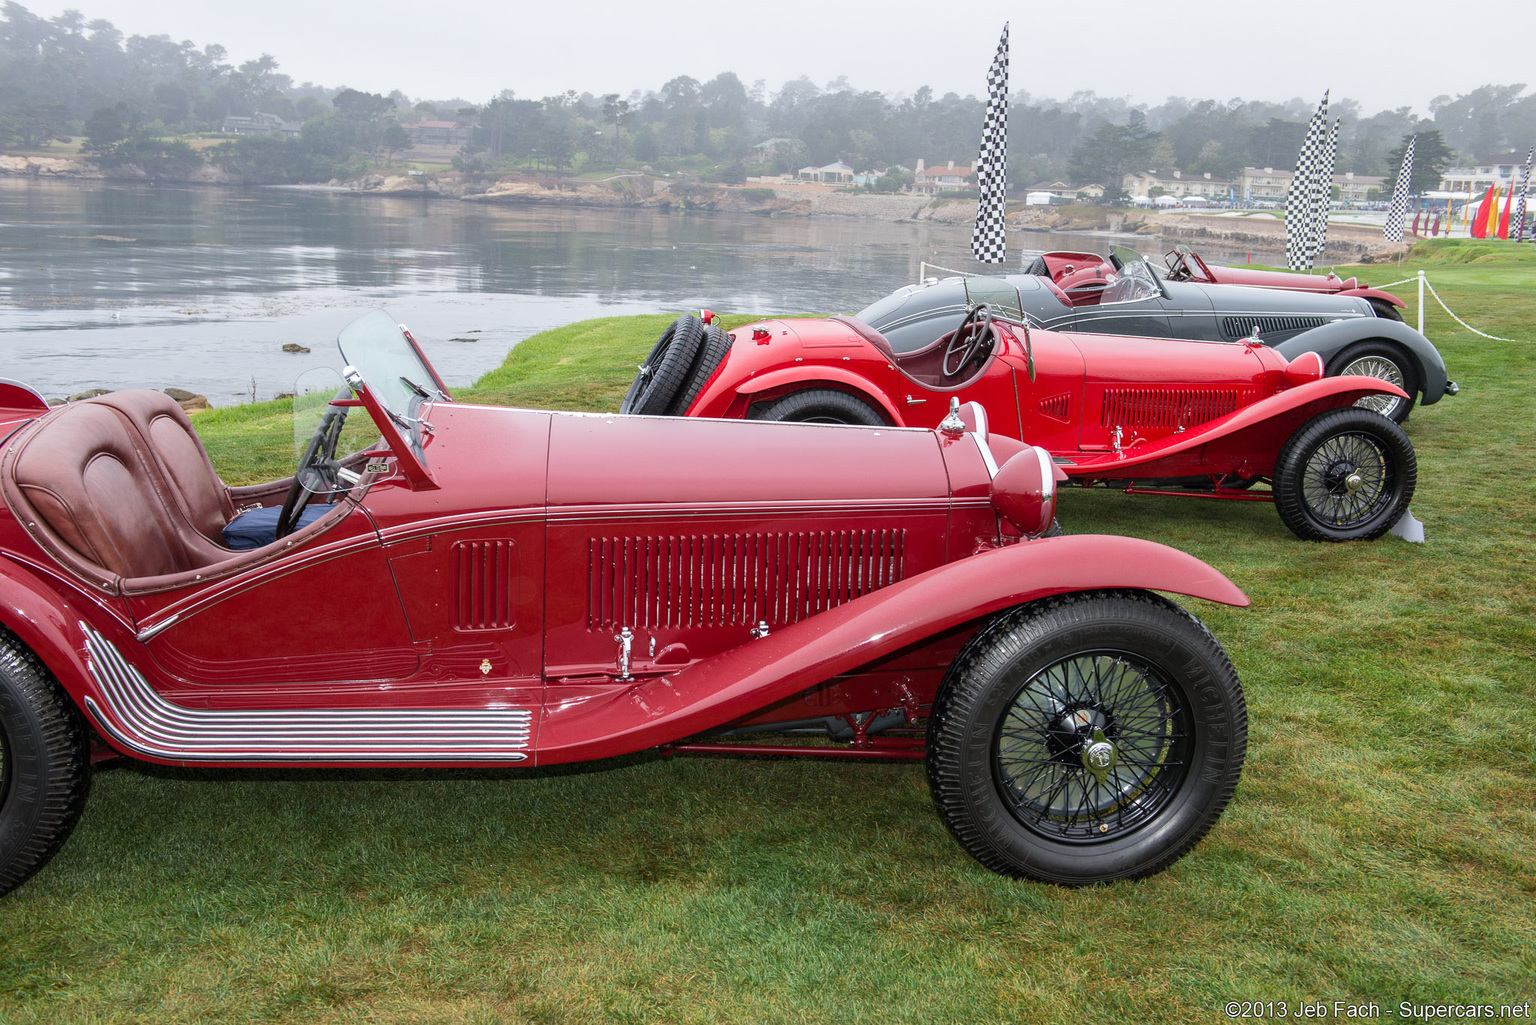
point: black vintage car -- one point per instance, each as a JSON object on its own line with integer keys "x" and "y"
{"x": 1125, "y": 295}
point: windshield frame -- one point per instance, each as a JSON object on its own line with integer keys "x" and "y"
{"x": 389, "y": 375}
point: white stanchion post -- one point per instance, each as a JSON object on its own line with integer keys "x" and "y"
{"x": 1421, "y": 302}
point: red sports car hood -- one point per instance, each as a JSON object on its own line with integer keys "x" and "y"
{"x": 597, "y": 460}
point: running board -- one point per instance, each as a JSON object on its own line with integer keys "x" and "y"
{"x": 136, "y": 717}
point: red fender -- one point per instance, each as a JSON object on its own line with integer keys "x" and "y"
{"x": 758, "y": 673}
{"x": 1374, "y": 293}
{"x": 1277, "y": 410}
{"x": 810, "y": 376}
{"x": 36, "y": 614}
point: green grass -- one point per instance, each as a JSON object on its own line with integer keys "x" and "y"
{"x": 1381, "y": 846}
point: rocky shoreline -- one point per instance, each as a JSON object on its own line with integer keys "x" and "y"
{"x": 1265, "y": 236}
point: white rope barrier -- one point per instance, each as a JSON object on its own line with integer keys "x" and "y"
{"x": 1463, "y": 323}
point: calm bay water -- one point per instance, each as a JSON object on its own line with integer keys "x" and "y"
{"x": 120, "y": 286}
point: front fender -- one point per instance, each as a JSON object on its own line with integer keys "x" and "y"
{"x": 1366, "y": 292}
{"x": 760, "y": 672}
{"x": 718, "y": 395}
{"x": 1331, "y": 339}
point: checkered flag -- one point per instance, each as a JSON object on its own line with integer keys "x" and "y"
{"x": 1299, "y": 219}
{"x": 1322, "y": 193}
{"x": 1397, "y": 213}
{"x": 1517, "y": 223}
{"x": 989, "y": 239}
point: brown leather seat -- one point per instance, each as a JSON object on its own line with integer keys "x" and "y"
{"x": 89, "y": 484}
{"x": 200, "y": 495}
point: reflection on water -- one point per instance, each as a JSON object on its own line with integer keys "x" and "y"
{"x": 107, "y": 285}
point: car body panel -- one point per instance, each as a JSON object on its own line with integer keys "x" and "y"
{"x": 1171, "y": 405}
{"x": 1070, "y": 292}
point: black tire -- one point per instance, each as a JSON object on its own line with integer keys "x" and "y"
{"x": 1345, "y": 475}
{"x": 716, "y": 344}
{"x": 44, "y": 764}
{"x": 1045, "y": 685}
{"x": 1384, "y": 361}
{"x": 661, "y": 376}
{"x": 819, "y": 406}
{"x": 1385, "y": 310}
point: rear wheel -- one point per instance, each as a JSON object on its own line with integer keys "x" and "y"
{"x": 44, "y": 764}
{"x": 661, "y": 376}
{"x": 1345, "y": 475}
{"x": 819, "y": 406}
{"x": 1385, "y": 362}
{"x": 1087, "y": 738}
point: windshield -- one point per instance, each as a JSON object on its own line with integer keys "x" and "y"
{"x": 1137, "y": 278}
{"x": 391, "y": 365}
{"x": 996, "y": 293}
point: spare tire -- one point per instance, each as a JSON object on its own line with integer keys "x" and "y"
{"x": 662, "y": 374}
{"x": 716, "y": 344}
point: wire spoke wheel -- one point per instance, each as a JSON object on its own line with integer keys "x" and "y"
{"x": 1383, "y": 369}
{"x": 1105, "y": 705}
{"x": 1345, "y": 475}
{"x": 1086, "y": 738}
{"x": 1345, "y": 481}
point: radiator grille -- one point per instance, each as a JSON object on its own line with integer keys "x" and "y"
{"x": 1242, "y": 327}
{"x": 483, "y": 584}
{"x": 1170, "y": 407}
{"x": 1055, "y": 407}
{"x": 735, "y": 579}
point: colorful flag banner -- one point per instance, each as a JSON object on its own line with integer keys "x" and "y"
{"x": 1509, "y": 202}
{"x": 1491, "y": 228}
{"x": 989, "y": 239}
{"x": 1299, "y": 214}
{"x": 1518, "y": 227}
{"x": 1397, "y": 213}
{"x": 1479, "y": 225}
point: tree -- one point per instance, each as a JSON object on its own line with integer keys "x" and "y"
{"x": 1111, "y": 153}
{"x": 1431, "y": 156}
{"x": 394, "y": 140}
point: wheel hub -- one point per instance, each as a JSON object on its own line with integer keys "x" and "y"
{"x": 1343, "y": 477}
{"x": 1074, "y": 731}
{"x": 1100, "y": 756}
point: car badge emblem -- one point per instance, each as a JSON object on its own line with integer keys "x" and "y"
{"x": 485, "y": 667}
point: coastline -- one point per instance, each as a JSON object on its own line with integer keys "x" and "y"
{"x": 1261, "y": 234}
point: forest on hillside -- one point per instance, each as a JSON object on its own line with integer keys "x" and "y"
{"x": 139, "y": 99}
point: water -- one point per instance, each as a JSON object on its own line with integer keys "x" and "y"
{"x": 121, "y": 286}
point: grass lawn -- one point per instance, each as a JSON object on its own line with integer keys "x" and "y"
{"x": 1381, "y": 846}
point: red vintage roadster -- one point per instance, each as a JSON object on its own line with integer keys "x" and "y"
{"x": 1209, "y": 419}
{"x": 479, "y": 586}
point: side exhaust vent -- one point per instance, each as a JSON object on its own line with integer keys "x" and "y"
{"x": 483, "y": 574}
{"x": 701, "y": 580}
{"x": 1170, "y": 408}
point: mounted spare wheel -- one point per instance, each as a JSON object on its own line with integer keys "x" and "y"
{"x": 665, "y": 370}
{"x": 716, "y": 344}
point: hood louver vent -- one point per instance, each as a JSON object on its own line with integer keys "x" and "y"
{"x": 1170, "y": 408}
{"x": 689, "y": 581}
{"x": 1055, "y": 407}
{"x": 1242, "y": 327}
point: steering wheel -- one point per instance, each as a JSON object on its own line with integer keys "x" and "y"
{"x": 973, "y": 336}
{"x": 317, "y": 467}
{"x": 1178, "y": 266}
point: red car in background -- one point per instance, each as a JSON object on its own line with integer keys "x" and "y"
{"x": 1208, "y": 419}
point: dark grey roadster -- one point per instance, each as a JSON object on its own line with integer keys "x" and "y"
{"x": 1125, "y": 295}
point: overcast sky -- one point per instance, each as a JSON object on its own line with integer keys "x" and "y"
{"x": 1384, "y": 53}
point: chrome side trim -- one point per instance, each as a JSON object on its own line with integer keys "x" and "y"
{"x": 986, "y": 454}
{"x": 135, "y": 715}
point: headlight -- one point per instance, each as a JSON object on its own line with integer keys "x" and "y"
{"x": 1024, "y": 491}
